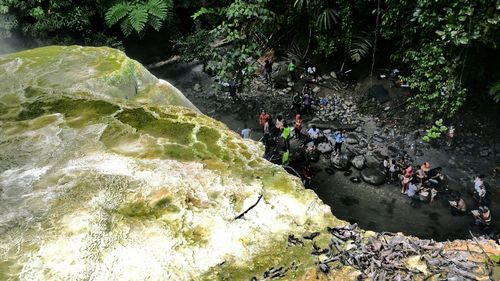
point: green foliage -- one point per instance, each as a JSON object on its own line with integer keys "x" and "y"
{"x": 55, "y": 22}
{"x": 194, "y": 46}
{"x": 232, "y": 47}
{"x": 434, "y": 38}
{"x": 494, "y": 91}
{"x": 359, "y": 47}
{"x": 326, "y": 46}
{"x": 435, "y": 131}
{"x": 326, "y": 19}
{"x": 136, "y": 15}
{"x": 434, "y": 78}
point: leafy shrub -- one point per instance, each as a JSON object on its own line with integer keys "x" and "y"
{"x": 435, "y": 131}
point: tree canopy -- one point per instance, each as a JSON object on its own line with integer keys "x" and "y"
{"x": 449, "y": 47}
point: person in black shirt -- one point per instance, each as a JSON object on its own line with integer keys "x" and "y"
{"x": 268, "y": 69}
{"x": 435, "y": 176}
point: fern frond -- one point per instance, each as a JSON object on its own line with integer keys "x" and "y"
{"x": 155, "y": 23}
{"x": 126, "y": 27}
{"x": 138, "y": 18}
{"x": 116, "y": 13}
{"x": 159, "y": 8}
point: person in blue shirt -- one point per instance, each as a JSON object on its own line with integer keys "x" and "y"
{"x": 339, "y": 139}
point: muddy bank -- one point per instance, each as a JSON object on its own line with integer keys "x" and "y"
{"x": 381, "y": 208}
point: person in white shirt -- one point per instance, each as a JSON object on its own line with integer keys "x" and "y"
{"x": 245, "y": 133}
{"x": 313, "y": 132}
{"x": 479, "y": 188}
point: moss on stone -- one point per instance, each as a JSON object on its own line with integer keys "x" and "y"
{"x": 77, "y": 112}
{"x": 145, "y": 122}
{"x": 275, "y": 255}
{"x": 196, "y": 236}
{"x": 278, "y": 179}
{"x": 209, "y": 136}
{"x": 141, "y": 210}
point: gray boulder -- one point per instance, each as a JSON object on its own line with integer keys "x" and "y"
{"x": 373, "y": 176}
{"x": 341, "y": 162}
{"x": 324, "y": 147}
{"x": 352, "y": 139}
{"x": 358, "y": 162}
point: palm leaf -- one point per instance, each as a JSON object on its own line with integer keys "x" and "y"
{"x": 494, "y": 91}
{"x": 326, "y": 19}
{"x": 301, "y": 4}
{"x": 138, "y": 18}
{"x": 116, "y": 13}
{"x": 359, "y": 48}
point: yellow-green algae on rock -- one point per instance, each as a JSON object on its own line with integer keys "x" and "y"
{"x": 107, "y": 173}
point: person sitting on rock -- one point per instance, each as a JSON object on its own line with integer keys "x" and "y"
{"x": 311, "y": 70}
{"x": 458, "y": 206}
{"x": 435, "y": 177}
{"x": 413, "y": 189}
{"x": 479, "y": 189}
{"x": 393, "y": 169}
{"x": 420, "y": 174}
{"x": 482, "y": 216}
{"x": 496, "y": 170}
{"x": 386, "y": 166}
{"x": 407, "y": 177}
{"x": 426, "y": 167}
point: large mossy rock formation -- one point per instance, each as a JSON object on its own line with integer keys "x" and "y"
{"x": 107, "y": 173}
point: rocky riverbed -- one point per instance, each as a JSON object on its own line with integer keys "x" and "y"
{"x": 370, "y": 138}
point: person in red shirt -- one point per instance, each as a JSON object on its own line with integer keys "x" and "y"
{"x": 307, "y": 175}
{"x": 298, "y": 126}
{"x": 263, "y": 118}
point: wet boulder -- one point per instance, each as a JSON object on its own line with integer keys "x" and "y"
{"x": 358, "y": 162}
{"x": 352, "y": 139}
{"x": 373, "y": 176}
{"x": 340, "y": 162}
{"x": 324, "y": 147}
